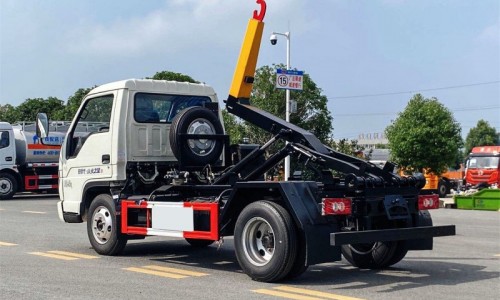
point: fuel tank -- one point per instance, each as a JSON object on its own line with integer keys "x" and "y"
{"x": 31, "y": 149}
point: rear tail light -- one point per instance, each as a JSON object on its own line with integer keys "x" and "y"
{"x": 428, "y": 202}
{"x": 336, "y": 206}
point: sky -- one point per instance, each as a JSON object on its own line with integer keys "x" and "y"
{"x": 369, "y": 57}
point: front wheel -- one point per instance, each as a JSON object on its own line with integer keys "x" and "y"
{"x": 8, "y": 186}
{"x": 103, "y": 227}
{"x": 265, "y": 241}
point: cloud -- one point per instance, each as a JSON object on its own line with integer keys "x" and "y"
{"x": 491, "y": 34}
{"x": 177, "y": 26}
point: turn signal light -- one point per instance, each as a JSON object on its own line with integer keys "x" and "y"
{"x": 336, "y": 206}
{"x": 428, "y": 202}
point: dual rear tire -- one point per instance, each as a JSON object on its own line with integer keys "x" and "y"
{"x": 266, "y": 243}
{"x": 377, "y": 255}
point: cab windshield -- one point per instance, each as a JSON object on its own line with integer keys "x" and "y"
{"x": 483, "y": 162}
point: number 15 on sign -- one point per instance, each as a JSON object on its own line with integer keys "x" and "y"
{"x": 289, "y": 79}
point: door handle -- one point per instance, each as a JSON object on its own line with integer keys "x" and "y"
{"x": 8, "y": 158}
{"x": 106, "y": 159}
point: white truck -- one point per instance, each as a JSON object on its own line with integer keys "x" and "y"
{"x": 27, "y": 164}
{"x": 161, "y": 165}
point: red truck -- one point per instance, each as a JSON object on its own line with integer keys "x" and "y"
{"x": 483, "y": 166}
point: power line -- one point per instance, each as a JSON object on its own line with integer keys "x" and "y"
{"x": 416, "y": 91}
{"x": 475, "y": 108}
{"x": 395, "y": 113}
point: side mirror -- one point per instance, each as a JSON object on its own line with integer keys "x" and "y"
{"x": 42, "y": 125}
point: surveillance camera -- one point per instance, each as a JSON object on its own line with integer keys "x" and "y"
{"x": 273, "y": 39}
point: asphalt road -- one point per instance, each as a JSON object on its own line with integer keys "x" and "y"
{"x": 43, "y": 258}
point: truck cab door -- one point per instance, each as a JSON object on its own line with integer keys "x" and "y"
{"x": 86, "y": 157}
{"x": 7, "y": 149}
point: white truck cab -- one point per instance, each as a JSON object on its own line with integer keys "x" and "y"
{"x": 128, "y": 124}
{"x": 8, "y": 167}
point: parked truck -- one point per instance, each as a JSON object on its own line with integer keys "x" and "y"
{"x": 443, "y": 184}
{"x": 435, "y": 184}
{"x": 161, "y": 165}
{"x": 27, "y": 164}
{"x": 483, "y": 166}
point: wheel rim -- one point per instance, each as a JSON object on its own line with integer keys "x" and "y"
{"x": 442, "y": 190}
{"x": 102, "y": 225}
{"x": 5, "y": 186}
{"x": 201, "y": 147}
{"x": 258, "y": 241}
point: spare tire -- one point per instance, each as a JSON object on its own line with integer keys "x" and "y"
{"x": 196, "y": 152}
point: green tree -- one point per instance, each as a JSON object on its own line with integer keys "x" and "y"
{"x": 346, "y": 146}
{"x": 173, "y": 76}
{"x": 425, "y": 135}
{"x": 312, "y": 112}
{"x": 28, "y": 110}
{"x": 481, "y": 135}
{"x": 73, "y": 104}
{"x": 233, "y": 128}
{"x": 8, "y": 113}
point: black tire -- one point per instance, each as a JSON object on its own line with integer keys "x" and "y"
{"x": 103, "y": 227}
{"x": 399, "y": 253}
{"x": 370, "y": 256}
{"x": 299, "y": 265}
{"x": 196, "y": 120}
{"x": 8, "y": 186}
{"x": 265, "y": 241}
{"x": 199, "y": 243}
{"x": 443, "y": 189}
{"x": 424, "y": 218}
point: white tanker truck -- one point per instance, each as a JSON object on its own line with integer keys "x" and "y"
{"x": 27, "y": 163}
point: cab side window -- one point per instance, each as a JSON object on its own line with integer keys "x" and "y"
{"x": 94, "y": 118}
{"x": 162, "y": 108}
{"x": 4, "y": 139}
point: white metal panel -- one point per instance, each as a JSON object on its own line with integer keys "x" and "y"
{"x": 149, "y": 142}
{"x": 162, "y": 232}
{"x": 171, "y": 216}
{"x": 157, "y": 86}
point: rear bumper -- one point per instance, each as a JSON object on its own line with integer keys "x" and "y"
{"x": 385, "y": 235}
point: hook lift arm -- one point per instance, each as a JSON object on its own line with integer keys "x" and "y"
{"x": 238, "y": 103}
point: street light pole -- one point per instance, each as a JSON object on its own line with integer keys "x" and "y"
{"x": 287, "y": 95}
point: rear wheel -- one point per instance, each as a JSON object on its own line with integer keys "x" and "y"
{"x": 265, "y": 241}
{"x": 103, "y": 227}
{"x": 8, "y": 186}
{"x": 299, "y": 265}
{"x": 442, "y": 188}
{"x": 399, "y": 254}
{"x": 372, "y": 255}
